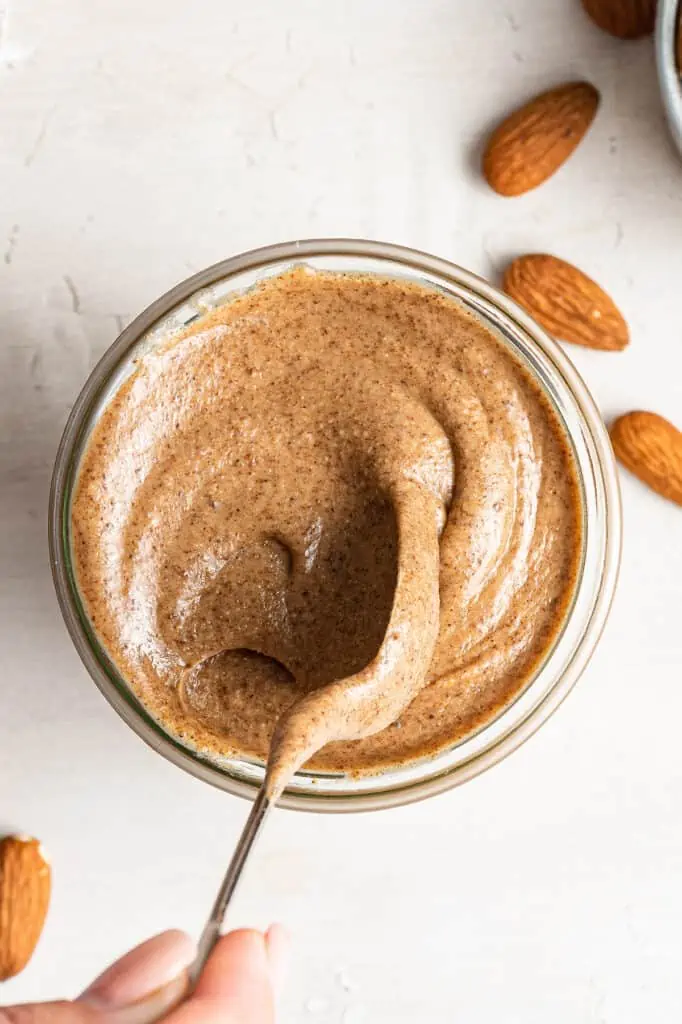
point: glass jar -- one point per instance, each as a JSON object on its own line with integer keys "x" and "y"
{"x": 600, "y": 501}
{"x": 668, "y": 50}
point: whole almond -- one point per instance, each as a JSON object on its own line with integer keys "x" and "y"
{"x": 533, "y": 142}
{"x": 566, "y": 302}
{"x": 627, "y": 19}
{"x": 25, "y": 883}
{"x": 651, "y": 448}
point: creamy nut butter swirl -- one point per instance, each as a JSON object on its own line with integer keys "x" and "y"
{"x": 337, "y": 503}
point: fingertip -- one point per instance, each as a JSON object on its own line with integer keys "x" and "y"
{"x": 145, "y": 969}
{"x": 183, "y": 946}
{"x": 278, "y": 946}
{"x": 239, "y": 958}
{"x": 236, "y": 983}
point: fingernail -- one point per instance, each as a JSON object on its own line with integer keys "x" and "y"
{"x": 145, "y": 983}
{"x": 278, "y": 946}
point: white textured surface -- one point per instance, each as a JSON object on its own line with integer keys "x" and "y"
{"x": 142, "y": 140}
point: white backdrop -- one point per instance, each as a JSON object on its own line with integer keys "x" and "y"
{"x": 143, "y": 139}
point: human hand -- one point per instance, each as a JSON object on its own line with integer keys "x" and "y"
{"x": 237, "y": 985}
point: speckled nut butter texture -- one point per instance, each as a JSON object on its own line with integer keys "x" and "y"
{"x": 338, "y": 502}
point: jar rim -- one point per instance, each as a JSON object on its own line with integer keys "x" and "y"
{"x": 585, "y": 429}
{"x": 668, "y": 14}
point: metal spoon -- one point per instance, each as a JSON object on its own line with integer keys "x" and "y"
{"x": 211, "y": 931}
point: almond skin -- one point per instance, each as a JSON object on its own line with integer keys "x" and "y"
{"x": 626, "y": 19}
{"x": 533, "y": 142}
{"x": 566, "y": 302}
{"x": 25, "y": 883}
{"x": 650, "y": 447}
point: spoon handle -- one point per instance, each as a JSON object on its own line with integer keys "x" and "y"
{"x": 211, "y": 932}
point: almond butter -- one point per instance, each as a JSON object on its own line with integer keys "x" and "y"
{"x": 566, "y": 302}
{"x": 533, "y": 142}
{"x": 25, "y": 883}
{"x": 650, "y": 447}
{"x": 627, "y": 19}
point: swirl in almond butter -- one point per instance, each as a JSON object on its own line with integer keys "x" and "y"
{"x": 338, "y": 503}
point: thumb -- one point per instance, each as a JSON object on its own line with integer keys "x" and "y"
{"x": 139, "y": 988}
{"x": 239, "y": 982}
